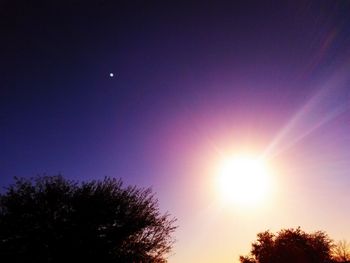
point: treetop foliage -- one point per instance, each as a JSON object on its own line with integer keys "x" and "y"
{"x": 51, "y": 219}
{"x": 290, "y": 246}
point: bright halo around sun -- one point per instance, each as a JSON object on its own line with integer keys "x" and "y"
{"x": 245, "y": 181}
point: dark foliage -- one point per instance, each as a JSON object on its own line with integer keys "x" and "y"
{"x": 50, "y": 219}
{"x": 341, "y": 252}
{"x": 290, "y": 246}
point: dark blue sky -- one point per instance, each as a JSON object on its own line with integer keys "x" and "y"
{"x": 60, "y": 111}
{"x": 194, "y": 80}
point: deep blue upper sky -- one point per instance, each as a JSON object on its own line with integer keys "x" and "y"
{"x": 193, "y": 80}
{"x": 61, "y": 112}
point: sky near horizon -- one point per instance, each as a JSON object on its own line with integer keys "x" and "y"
{"x": 192, "y": 83}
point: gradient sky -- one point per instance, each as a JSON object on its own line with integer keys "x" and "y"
{"x": 193, "y": 81}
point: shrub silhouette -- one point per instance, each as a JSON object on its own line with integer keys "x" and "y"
{"x": 341, "y": 251}
{"x": 290, "y": 246}
{"x": 51, "y": 219}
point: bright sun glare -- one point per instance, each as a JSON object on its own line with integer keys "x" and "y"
{"x": 244, "y": 180}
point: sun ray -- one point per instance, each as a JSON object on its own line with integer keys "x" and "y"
{"x": 312, "y": 116}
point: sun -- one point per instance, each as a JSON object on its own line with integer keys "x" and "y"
{"x": 244, "y": 180}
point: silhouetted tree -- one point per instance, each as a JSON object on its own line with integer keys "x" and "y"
{"x": 290, "y": 246}
{"x": 341, "y": 251}
{"x": 51, "y": 219}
